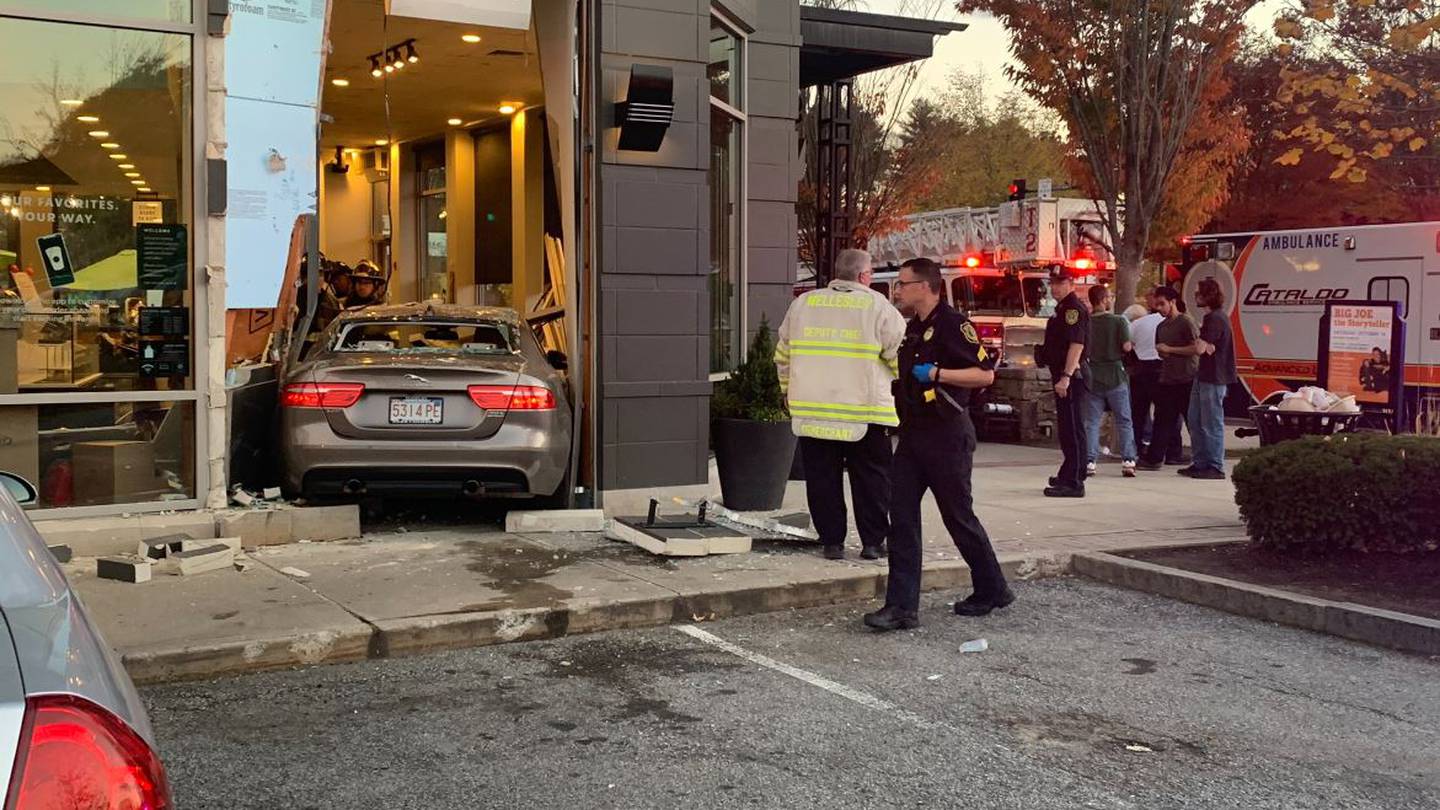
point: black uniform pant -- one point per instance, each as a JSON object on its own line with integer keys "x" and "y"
{"x": 1172, "y": 401}
{"x": 940, "y": 459}
{"x": 868, "y": 462}
{"x": 1070, "y": 411}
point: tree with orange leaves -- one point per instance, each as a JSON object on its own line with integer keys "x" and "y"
{"x": 1374, "y": 106}
{"x": 1134, "y": 81}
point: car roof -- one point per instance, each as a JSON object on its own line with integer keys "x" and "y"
{"x": 426, "y": 311}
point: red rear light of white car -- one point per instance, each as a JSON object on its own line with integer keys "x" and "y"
{"x": 321, "y": 395}
{"x": 74, "y": 754}
{"x": 990, "y": 330}
{"x": 512, "y": 398}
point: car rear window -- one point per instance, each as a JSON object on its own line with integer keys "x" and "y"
{"x": 413, "y": 337}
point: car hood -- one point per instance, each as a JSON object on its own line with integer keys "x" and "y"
{"x": 56, "y": 648}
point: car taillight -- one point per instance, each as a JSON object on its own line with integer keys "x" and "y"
{"x": 512, "y": 397}
{"x": 321, "y": 395}
{"x": 74, "y": 753}
{"x": 991, "y": 331}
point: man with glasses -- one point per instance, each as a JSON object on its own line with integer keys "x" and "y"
{"x": 941, "y": 361}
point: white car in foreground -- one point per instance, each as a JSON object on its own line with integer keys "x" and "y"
{"x": 73, "y": 733}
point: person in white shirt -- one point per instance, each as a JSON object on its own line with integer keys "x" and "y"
{"x": 1145, "y": 376}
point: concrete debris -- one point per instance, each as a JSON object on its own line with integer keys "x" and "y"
{"x": 62, "y": 553}
{"x": 754, "y": 525}
{"x": 158, "y": 548}
{"x": 297, "y": 573}
{"x": 975, "y": 646}
{"x": 240, "y": 497}
{"x": 202, "y": 560}
{"x": 271, "y": 493}
{"x": 1139, "y": 749}
{"x": 242, "y": 565}
{"x": 124, "y": 569}
{"x": 555, "y": 520}
{"x": 934, "y": 677}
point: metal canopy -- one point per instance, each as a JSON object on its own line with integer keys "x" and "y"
{"x": 843, "y": 44}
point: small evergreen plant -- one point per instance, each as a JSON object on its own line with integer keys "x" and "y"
{"x": 753, "y": 390}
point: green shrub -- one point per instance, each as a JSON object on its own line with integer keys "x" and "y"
{"x": 753, "y": 389}
{"x": 1367, "y": 492}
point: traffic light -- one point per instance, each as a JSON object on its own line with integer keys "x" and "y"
{"x": 1017, "y": 190}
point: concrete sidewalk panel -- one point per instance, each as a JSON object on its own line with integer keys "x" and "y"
{"x": 320, "y": 524}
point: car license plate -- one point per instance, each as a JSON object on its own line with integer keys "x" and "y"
{"x": 417, "y": 410}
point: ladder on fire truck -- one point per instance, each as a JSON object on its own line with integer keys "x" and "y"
{"x": 1027, "y": 233}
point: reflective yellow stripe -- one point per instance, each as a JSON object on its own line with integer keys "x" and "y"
{"x": 835, "y": 353}
{"x": 838, "y": 407}
{"x": 836, "y": 344}
{"x": 846, "y": 417}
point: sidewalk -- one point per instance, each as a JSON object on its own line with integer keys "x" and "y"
{"x": 405, "y": 591}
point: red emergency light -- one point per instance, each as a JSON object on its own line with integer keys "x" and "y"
{"x": 1084, "y": 264}
{"x": 972, "y": 262}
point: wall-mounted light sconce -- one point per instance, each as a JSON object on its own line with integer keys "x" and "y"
{"x": 648, "y": 108}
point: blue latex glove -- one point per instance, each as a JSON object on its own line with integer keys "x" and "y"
{"x": 922, "y": 372}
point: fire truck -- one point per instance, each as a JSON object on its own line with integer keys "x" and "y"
{"x": 996, "y": 263}
{"x": 1276, "y": 284}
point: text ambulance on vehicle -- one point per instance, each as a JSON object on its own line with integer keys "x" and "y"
{"x": 1276, "y": 285}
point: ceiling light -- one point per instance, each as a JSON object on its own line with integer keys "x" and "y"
{"x": 381, "y": 142}
{"x": 42, "y": 188}
{"x": 454, "y": 122}
{"x": 399, "y": 61}
{"x": 109, "y": 145}
{"x": 375, "y": 66}
{"x": 389, "y": 68}
{"x": 127, "y": 165}
{"x": 117, "y": 156}
{"x": 138, "y": 182}
{"x": 508, "y": 107}
{"x": 99, "y": 133}
{"x": 410, "y": 54}
{"x": 145, "y": 189}
{"x": 470, "y": 38}
{"x": 89, "y": 119}
{"x": 132, "y": 174}
{"x": 71, "y": 102}
{"x": 340, "y": 82}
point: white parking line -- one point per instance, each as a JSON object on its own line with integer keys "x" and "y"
{"x": 865, "y": 699}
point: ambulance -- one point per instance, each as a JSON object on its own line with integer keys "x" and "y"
{"x": 1276, "y": 284}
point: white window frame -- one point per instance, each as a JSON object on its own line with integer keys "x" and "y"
{"x": 200, "y": 258}
{"x": 742, "y": 270}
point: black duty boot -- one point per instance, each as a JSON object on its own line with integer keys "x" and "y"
{"x": 875, "y": 552}
{"x": 834, "y": 552}
{"x": 892, "y": 618}
{"x": 975, "y": 605}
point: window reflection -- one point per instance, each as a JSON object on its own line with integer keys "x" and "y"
{"x": 178, "y": 11}
{"x": 95, "y": 253}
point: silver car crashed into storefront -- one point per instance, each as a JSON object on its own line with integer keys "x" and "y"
{"x": 426, "y": 399}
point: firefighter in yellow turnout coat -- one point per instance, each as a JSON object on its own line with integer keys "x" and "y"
{"x": 837, "y": 356}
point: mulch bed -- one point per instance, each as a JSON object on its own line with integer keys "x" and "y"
{"x": 1408, "y": 583}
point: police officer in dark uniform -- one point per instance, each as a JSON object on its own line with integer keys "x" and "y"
{"x": 941, "y": 360}
{"x": 1066, "y": 355}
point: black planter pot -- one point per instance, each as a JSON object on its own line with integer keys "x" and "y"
{"x": 754, "y": 460}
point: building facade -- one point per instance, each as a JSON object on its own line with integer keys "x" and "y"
{"x": 168, "y": 168}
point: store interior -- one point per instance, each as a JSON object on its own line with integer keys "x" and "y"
{"x": 438, "y": 169}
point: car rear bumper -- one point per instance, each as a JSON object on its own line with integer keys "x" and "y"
{"x": 517, "y": 461}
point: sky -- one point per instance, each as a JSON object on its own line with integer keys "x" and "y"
{"x": 984, "y": 47}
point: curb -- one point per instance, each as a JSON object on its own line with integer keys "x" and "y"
{"x": 448, "y": 631}
{"x": 1382, "y": 628}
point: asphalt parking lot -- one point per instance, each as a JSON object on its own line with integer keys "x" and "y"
{"x": 1087, "y": 697}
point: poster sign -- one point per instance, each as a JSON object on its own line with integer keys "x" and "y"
{"x": 162, "y": 256}
{"x": 56, "y": 259}
{"x": 165, "y": 321}
{"x": 147, "y": 212}
{"x": 164, "y": 358}
{"x": 1362, "y": 354}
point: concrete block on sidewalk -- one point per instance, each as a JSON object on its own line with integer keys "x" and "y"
{"x": 158, "y": 548}
{"x": 255, "y": 527}
{"x": 555, "y": 520}
{"x": 319, "y": 524}
{"x": 210, "y": 558}
{"x": 124, "y": 569}
{"x": 62, "y": 554}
